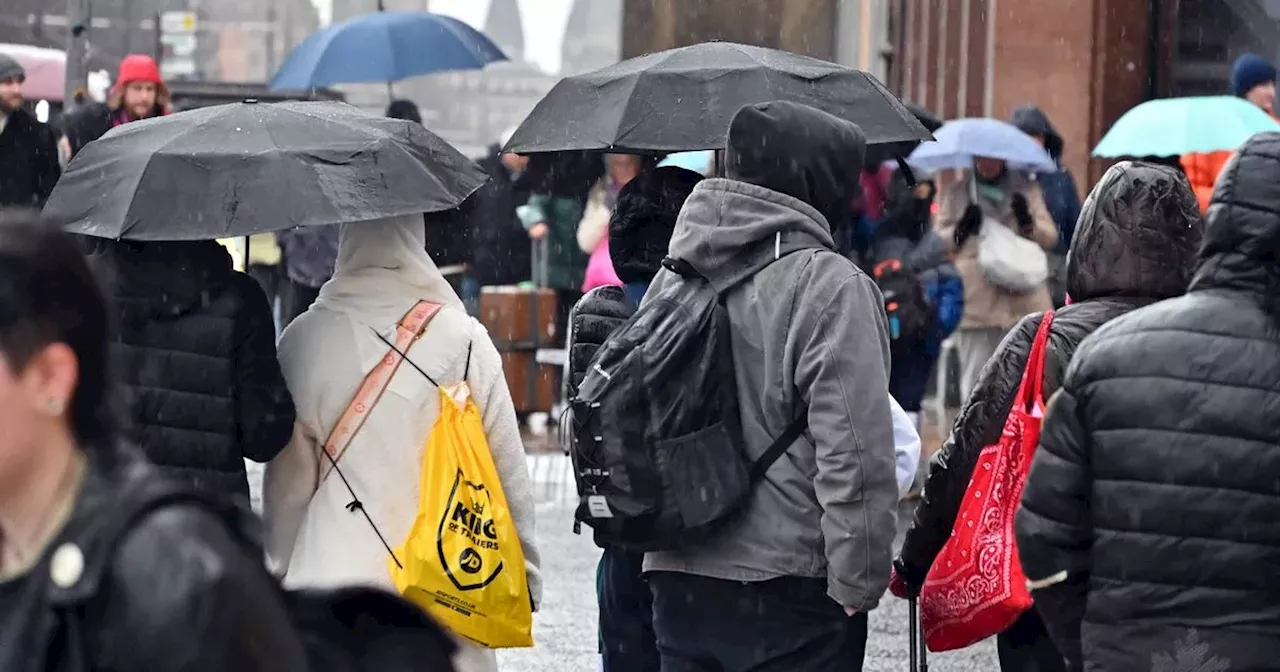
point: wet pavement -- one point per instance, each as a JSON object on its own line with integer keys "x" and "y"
{"x": 565, "y": 628}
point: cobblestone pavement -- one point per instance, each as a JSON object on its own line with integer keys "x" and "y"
{"x": 565, "y": 629}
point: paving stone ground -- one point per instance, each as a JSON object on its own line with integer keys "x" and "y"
{"x": 565, "y": 629}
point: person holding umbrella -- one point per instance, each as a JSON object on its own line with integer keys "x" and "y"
{"x": 993, "y": 220}
{"x": 195, "y": 348}
{"x": 1253, "y": 78}
{"x": 28, "y": 151}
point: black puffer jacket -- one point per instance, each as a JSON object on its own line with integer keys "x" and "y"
{"x": 1155, "y": 492}
{"x": 196, "y": 354}
{"x": 1135, "y": 243}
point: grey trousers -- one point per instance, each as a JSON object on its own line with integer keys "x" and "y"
{"x": 973, "y": 348}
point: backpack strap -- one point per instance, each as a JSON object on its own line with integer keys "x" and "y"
{"x": 408, "y": 330}
{"x": 779, "y": 447}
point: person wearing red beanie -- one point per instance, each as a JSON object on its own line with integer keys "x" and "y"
{"x": 139, "y": 93}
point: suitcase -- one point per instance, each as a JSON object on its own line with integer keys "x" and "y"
{"x": 520, "y": 318}
{"x": 534, "y": 387}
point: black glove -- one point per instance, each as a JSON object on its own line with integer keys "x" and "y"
{"x": 968, "y": 224}
{"x": 905, "y": 581}
{"x": 1022, "y": 213}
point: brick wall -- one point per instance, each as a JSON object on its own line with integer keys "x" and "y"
{"x": 1085, "y": 62}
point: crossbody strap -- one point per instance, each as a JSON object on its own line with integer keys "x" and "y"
{"x": 410, "y": 327}
{"x": 779, "y": 446}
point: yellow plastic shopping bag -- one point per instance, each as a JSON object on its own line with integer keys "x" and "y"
{"x": 462, "y": 560}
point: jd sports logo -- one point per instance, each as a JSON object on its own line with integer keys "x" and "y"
{"x": 467, "y": 540}
{"x": 470, "y": 561}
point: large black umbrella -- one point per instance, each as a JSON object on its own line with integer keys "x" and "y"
{"x": 683, "y": 99}
{"x": 246, "y": 168}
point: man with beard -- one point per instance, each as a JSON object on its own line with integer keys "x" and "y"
{"x": 139, "y": 93}
{"x": 28, "y": 154}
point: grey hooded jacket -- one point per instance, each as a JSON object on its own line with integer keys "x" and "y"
{"x": 809, "y": 336}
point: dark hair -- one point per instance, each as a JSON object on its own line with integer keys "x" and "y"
{"x": 644, "y": 218}
{"x": 48, "y": 295}
{"x": 404, "y": 109}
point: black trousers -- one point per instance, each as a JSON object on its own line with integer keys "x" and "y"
{"x": 1026, "y": 647}
{"x": 782, "y": 625}
{"x": 627, "y": 642}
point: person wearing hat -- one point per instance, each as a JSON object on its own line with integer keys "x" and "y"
{"x": 139, "y": 93}
{"x": 28, "y": 153}
{"x": 1254, "y": 79}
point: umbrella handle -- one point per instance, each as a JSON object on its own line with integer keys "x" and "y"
{"x": 907, "y": 173}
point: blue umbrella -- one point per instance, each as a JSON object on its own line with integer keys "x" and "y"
{"x": 960, "y": 141}
{"x": 385, "y": 47}
{"x": 1175, "y": 126}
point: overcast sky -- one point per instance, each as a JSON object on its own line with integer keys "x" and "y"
{"x": 544, "y": 24}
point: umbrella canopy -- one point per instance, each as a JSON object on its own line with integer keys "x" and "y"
{"x": 46, "y": 70}
{"x": 683, "y": 99}
{"x": 385, "y": 47}
{"x": 925, "y": 117}
{"x": 1175, "y": 126}
{"x": 961, "y": 140}
{"x": 246, "y": 168}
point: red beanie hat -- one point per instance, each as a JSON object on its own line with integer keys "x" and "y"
{"x": 138, "y": 68}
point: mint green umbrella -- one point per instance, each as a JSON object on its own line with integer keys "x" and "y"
{"x": 1175, "y": 126}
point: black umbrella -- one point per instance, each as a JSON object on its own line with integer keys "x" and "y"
{"x": 925, "y": 117}
{"x": 246, "y": 168}
{"x": 683, "y": 99}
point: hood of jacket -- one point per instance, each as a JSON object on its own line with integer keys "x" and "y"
{"x": 1242, "y": 237}
{"x": 728, "y": 230}
{"x": 383, "y": 264}
{"x": 799, "y": 151}
{"x": 1032, "y": 120}
{"x": 1138, "y": 235}
{"x": 163, "y": 279}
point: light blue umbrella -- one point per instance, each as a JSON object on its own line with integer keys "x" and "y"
{"x": 1175, "y": 126}
{"x": 385, "y": 47}
{"x": 959, "y": 141}
{"x": 698, "y": 161}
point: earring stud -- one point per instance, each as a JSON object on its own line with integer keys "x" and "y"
{"x": 53, "y": 406}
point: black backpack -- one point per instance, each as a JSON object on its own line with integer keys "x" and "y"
{"x": 908, "y": 310}
{"x": 658, "y": 451}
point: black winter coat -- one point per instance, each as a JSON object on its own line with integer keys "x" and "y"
{"x": 1135, "y": 243}
{"x": 175, "y": 589}
{"x": 1155, "y": 492}
{"x": 499, "y": 248}
{"x": 28, "y": 161}
{"x": 196, "y": 354}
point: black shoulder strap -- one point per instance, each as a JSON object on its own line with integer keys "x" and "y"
{"x": 779, "y": 446}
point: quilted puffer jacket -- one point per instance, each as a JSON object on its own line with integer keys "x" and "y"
{"x": 1152, "y": 513}
{"x": 1135, "y": 243}
{"x": 196, "y": 354}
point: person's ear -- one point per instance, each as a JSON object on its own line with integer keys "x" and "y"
{"x": 50, "y": 378}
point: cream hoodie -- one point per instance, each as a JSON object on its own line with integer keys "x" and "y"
{"x": 382, "y": 271}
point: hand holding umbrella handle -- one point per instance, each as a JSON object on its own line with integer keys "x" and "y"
{"x": 968, "y": 225}
{"x": 1022, "y": 213}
